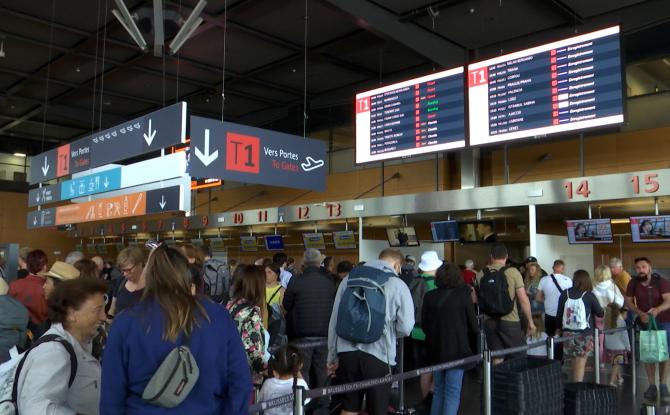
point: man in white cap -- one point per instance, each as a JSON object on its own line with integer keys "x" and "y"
{"x": 423, "y": 283}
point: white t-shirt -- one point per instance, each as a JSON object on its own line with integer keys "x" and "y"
{"x": 537, "y": 351}
{"x": 551, "y": 292}
{"x": 284, "y": 277}
{"x": 274, "y": 388}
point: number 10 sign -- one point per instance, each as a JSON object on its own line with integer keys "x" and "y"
{"x": 222, "y": 150}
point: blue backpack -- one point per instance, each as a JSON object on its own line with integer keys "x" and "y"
{"x": 362, "y": 313}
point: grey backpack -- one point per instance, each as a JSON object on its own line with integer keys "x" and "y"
{"x": 174, "y": 379}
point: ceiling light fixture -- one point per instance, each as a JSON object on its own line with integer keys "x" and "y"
{"x": 619, "y": 221}
{"x": 128, "y": 23}
{"x": 192, "y": 23}
{"x": 19, "y": 155}
{"x": 2, "y": 49}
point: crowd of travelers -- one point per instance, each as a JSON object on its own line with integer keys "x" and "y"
{"x": 173, "y": 330}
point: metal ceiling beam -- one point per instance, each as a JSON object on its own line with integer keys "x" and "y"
{"x": 49, "y": 123}
{"x": 429, "y": 45}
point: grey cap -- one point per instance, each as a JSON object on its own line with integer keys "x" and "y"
{"x": 312, "y": 256}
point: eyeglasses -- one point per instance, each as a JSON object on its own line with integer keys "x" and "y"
{"x": 128, "y": 270}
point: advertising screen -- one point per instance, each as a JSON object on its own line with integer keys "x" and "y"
{"x": 248, "y": 244}
{"x": 344, "y": 240}
{"x": 650, "y": 228}
{"x": 568, "y": 85}
{"x": 274, "y": 243}
{"x": 445, "y": 231}
{"x": 589, "y": 231}
{"x": 477, "y": 231}
{"x": 314, "y": 240}
{"x": 402, "y": 236}
{"x": 417, "y": 116}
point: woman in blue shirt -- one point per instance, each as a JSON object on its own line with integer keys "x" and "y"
{"x": 166, "y": 317}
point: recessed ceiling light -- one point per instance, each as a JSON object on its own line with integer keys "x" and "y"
{"x": 77, "y": 69}
{"x": 19, "y": 155}
{"x": 491, "y": 210}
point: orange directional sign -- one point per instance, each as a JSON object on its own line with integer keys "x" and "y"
{"x": 134, "y": 204}
{"x": 125, "y": 206}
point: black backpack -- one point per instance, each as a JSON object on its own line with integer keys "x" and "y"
{"x": 217, "y": 281}
{"x": 493, "y": 296}
{"x": 276, "y": 324}
{"x": 418, "y": 288}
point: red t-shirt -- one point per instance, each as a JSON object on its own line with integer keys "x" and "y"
{"x": 29, "y": 291}
{"x": 469, "y": 276}
{"x": 650, "y": 296}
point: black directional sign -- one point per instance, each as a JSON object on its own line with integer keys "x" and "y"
{"x": 246, "y": 154}
{"x": 151, "y": 132}
{"x": 42, "y": 218}
{"x": 43, "y": 167}
{"x": 154, "y": 131}
{"x": 163, "y": 200}
{"x": 43, "y": 195}
{"x": 80, "y": 155}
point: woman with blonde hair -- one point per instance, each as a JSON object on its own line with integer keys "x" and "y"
{"x": 531, "y": 278}
{"x": 168, "y": 316}
{"x": 606, "y": 292}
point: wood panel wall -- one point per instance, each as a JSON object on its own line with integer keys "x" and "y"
{"x": 13, "y": 229}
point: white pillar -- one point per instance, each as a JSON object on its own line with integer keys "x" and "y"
{"x": 532, "y": 230}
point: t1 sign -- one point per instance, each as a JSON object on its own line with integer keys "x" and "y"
{"x": 245, "y": 154}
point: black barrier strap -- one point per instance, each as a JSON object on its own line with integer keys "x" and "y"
{"x": 512, "y": 350}
{"x": 310, "y": 344}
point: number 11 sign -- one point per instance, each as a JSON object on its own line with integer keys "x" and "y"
{"x": 222, "y": 150}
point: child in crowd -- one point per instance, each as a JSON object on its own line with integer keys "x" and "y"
{"x": 537, "y": 335}
{"x": 617, "y": 345}
{"x": 284, "y": 366}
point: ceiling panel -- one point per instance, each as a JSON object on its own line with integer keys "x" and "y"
{"x": 285, "y": 20}
{"x": 12, "y": 24}
{"x": 36, "y": 89}
{"x": 208, "y": 48}
{"x": 371, "y": 52}
{"x": 135, "y": 83}
{"x": 260, "y": 90}
{"x": 406, "y": 6}
{"x": 490, "y": 25}
{"x": 35, "y": 129}
{"x": 595, "y": 7}
{"x": 117, "y": 105}
{"x": 320, "y": 76}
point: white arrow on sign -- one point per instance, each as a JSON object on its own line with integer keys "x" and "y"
{"x": 106, "y": 182}
{"x": 152, "y": 133}
{"x": 163, "y": 202}
{"x": 206, "y": 158}
{"x": 45, "y": 168}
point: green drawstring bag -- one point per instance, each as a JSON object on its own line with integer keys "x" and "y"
{"x": 653, "y": 343}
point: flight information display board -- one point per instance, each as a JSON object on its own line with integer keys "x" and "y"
{"x": 563, "y": 86}
{"x": 417, "y": 116}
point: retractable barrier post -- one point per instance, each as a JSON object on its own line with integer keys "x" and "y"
{"x": 401, "y": 369}
{"x": 487, "y": 382}
{"x": 596, "y": 354}
{"x": 550, "y": 347}
{"x": 633, "y": 362}
{"x": 298, "y": 408}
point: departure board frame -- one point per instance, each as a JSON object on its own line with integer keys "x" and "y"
{"x": 479, "y": 129}
{"x": 423, "y": 127}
